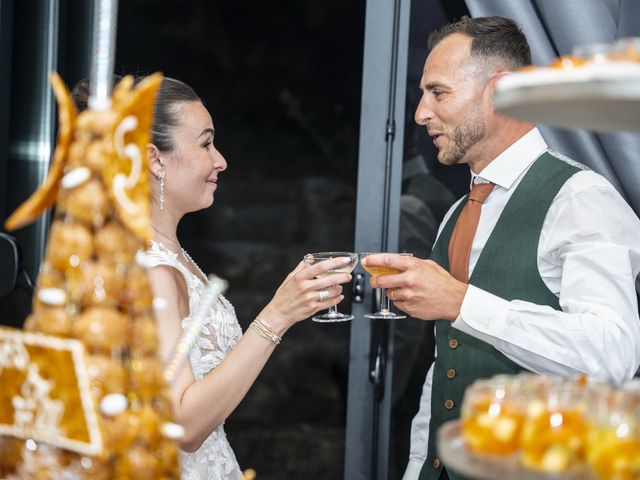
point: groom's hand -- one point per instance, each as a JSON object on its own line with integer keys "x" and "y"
{"x": 423, "y": 290}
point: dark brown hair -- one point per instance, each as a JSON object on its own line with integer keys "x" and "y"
{"x": 170, "y": 93}
{"x": 493, "y": 38}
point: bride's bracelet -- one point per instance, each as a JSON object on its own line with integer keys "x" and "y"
{"x": 264, "y": 331}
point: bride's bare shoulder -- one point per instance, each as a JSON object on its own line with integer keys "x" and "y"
{"x": 168, "y": 285}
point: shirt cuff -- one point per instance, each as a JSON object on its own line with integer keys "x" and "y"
{"x": 483, "y": 312}
{"x": 413, "y": 469}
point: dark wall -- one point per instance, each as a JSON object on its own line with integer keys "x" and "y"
{"x": 282, "y": 82}
{"x": 282, "y": 79}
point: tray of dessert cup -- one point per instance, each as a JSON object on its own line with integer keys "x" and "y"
{"x": 595, "y": 92}
{"x": 457, "y": 456}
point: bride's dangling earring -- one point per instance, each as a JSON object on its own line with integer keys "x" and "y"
{"x": 162, "y": 190}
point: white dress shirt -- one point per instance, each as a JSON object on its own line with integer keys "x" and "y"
{"x": 588, "y": 255}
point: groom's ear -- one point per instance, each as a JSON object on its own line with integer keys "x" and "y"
{"x": 156, "y": 163}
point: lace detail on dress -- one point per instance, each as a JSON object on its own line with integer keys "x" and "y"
{"x": 215, "y": 459}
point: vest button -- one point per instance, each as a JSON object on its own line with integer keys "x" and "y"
{"x": 436, "y": 463}
{"x": 448, "y": 404}
{"x": 451, "y": 373}
{"x": 453, "y": 343}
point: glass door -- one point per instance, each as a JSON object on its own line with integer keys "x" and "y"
{"x": 377, "y": 222}
{"x": 403, "y": 194}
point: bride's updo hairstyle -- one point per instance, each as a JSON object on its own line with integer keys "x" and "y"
{"x": 171, "y": 93}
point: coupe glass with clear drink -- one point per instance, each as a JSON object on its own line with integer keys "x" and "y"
{"x": 332, "y": 315}
{"x": 384, "y": 311}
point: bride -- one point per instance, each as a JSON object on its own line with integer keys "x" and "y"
{"x": 186, "y": 166}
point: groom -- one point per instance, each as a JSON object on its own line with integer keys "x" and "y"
{"x": 535, "y": 269}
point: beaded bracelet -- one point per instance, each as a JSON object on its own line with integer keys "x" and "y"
{"x": 265, "y": 332}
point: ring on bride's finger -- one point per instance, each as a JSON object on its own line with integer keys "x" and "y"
{"x": 323, "y": 294}
{"x": 392, "y": 294}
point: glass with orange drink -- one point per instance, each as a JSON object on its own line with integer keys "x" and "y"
{"x": 613, "y": 442}
{"x": 555, "y": 427}
{"x": 492, "y": 416}
{"x": 385, "y": 309}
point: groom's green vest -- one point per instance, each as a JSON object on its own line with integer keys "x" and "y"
{"x": 508, "y": 268}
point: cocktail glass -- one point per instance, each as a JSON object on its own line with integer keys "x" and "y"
{"x": 385, "y": 310}
{"x": 311, "y": 258}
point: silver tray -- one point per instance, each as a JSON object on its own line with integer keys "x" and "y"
{"x": 607, "y": 105}
{"x": 456, "y": 456}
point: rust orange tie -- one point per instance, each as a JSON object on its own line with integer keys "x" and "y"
{"x": 465, "y": 230}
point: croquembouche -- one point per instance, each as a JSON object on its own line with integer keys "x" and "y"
{"x": 83, "y": 393}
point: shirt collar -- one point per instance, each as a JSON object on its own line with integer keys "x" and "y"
{"x": 505, "y": 169}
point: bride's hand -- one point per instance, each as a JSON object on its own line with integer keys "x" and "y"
{"x": 299, "y": 296}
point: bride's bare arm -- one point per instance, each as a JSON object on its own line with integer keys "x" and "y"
{"x": 200, "y": 406}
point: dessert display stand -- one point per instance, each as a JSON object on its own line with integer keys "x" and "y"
{"x": 454, "y": 453}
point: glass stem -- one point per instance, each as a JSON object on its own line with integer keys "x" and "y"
{"x": 333, "y": 311}
{"x": 384, "y": 301}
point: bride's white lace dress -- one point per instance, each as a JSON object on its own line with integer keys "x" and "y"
{"x": 215, "y": 459}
